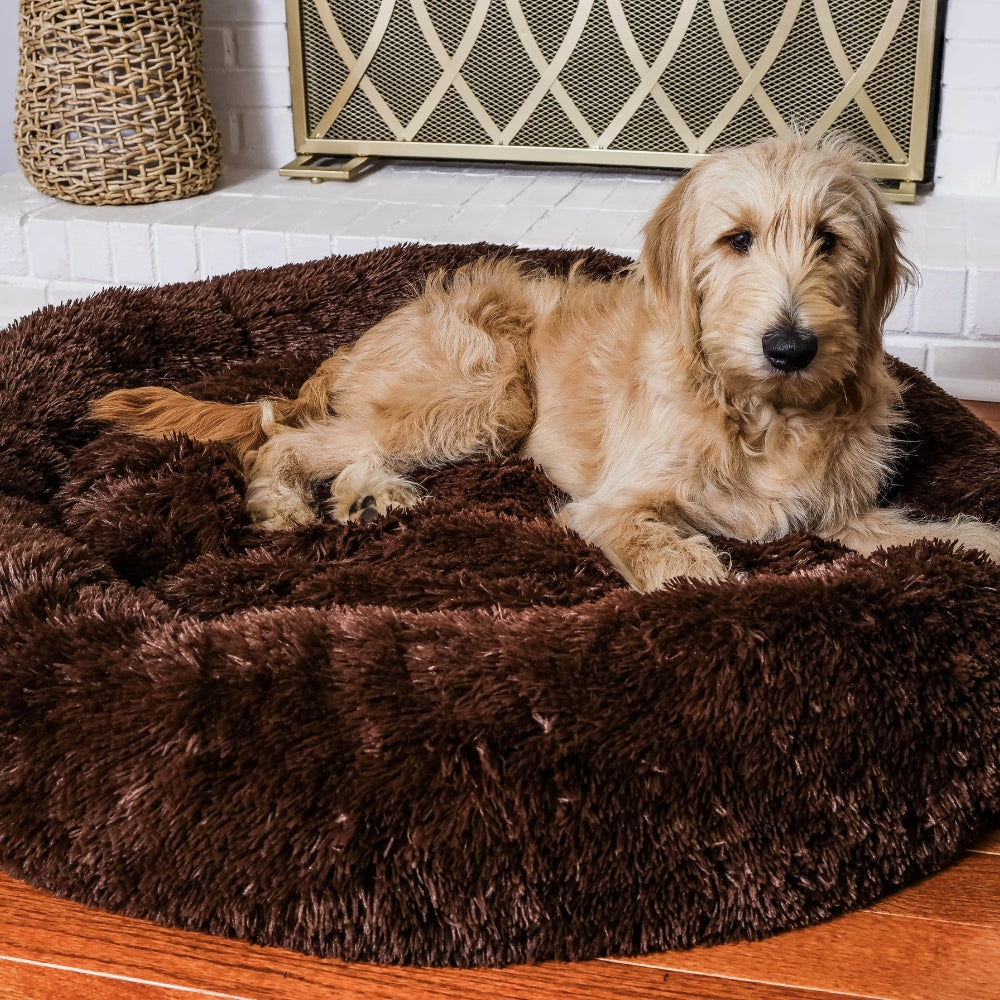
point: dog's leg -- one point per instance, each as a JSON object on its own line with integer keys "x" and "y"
{"x": 277, "y": 486}
{"x": 443, "y": 378}
{"x": 644, "y": 542}
{"x": 370, "y": 451}
{"x": 285, "y": 466}
{"x": 885, "y": 526}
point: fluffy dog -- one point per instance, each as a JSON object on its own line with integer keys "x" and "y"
{"x": 731, "y": 383}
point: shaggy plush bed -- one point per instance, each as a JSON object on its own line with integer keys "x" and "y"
{"x": 452, "y": 736}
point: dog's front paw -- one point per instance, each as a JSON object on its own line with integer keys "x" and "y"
{"x": 363, "y": 494}
{"x": 656, "y": 564}
{"x": 277, "y": 489}
{"x": 647, "y": 549}
{"x": 273, "y": 507}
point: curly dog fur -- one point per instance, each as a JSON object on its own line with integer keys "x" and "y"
{"x": 733, "y": 382}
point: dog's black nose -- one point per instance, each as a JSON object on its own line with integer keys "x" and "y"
{"x": 789, "y": 348}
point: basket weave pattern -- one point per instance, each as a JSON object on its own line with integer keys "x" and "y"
{"x": 111, "y": 101}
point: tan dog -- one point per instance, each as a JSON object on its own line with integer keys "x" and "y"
{"x": 732, "y": 383}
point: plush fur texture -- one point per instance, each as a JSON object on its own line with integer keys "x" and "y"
{"x": 732, "y": 383}
{"x": 453, "y": 736}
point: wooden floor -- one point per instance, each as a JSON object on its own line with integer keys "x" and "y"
{"x": 938, "y": 940}
{"x": 987, "y": 412}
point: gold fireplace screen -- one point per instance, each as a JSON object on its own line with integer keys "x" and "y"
{"x": 647, "y": 83}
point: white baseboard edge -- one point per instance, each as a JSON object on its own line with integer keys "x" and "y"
{"x": 976, "y": 389}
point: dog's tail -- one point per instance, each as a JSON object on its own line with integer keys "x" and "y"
{"x": 156, "y": 412}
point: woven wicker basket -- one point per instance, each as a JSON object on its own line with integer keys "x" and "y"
{"x": 111, "y": 101}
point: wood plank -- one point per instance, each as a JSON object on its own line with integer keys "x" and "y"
{"x": 989, "y": 413}
{"x": 989, "y": 844}
{"x": 864, "y": 953}
{"x": 27, "y": 981}
{"x": 41, "y": 928}
{"x": 76, "y": 949}
{"x": 20, "y": 980}
{"x": 984, "y": 409}
{"x": 687, "y": 986}
{"x": 967, "y": 892}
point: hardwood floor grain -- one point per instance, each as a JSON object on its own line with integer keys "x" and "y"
{"x": 865, "y": 953}
{"x": 936, "y": 940}
{"x": 990, "y": 844}
{"x": 989, "y": 413}
{"x": 23, "y": 980}
{"x": 38, "y": 928}
{"x": 965, "y": 893}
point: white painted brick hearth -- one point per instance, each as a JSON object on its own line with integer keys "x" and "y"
{"x": 51, "y": 251}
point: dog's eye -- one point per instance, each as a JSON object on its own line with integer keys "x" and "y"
{"x": 827, "y": 241}
{"x": 741, "y": 241}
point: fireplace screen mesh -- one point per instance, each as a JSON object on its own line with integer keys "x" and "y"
{"x": 643, "y": 82}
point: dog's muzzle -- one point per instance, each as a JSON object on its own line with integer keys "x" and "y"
{"x": 789, "y": 348}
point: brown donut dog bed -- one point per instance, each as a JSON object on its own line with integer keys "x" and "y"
{"x": 453, "y": 736}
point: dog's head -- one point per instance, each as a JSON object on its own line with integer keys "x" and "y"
{"x": 782, "y": 263}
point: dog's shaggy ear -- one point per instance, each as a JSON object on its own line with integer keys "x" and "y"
{"x": 890, "y": 272}
{"x": 666, "y": 264}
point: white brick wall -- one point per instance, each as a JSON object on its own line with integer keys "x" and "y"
{"x": 8, "y": 88}
{"x": 246, "y": 71}
{"x": 968, "y": 159}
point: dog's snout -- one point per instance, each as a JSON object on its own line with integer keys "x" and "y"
{"x": 789, "y": 348}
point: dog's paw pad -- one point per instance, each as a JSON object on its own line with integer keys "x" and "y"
{"x": 364, "y": 504}
{"x": 368, "y": 509}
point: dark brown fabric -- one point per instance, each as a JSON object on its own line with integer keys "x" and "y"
{"x": 452, "y": 736}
